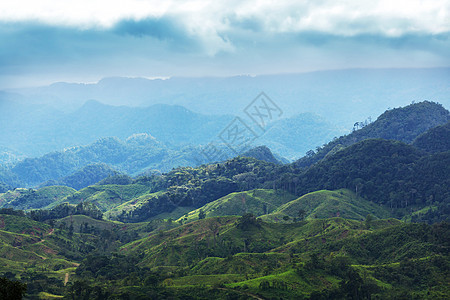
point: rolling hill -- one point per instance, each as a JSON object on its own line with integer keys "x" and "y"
{"x": 257, "y": 202}
{"x": 34, "y": 199}
{"x": 326, "y": 204}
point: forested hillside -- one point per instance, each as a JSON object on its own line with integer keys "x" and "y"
{"x": 401, "y": 124}
{"x": 79, "y": 167}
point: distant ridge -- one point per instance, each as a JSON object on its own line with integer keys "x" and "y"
{"x": 401, "y": 124}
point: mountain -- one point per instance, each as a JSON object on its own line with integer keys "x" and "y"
{"x": 106, "y": 196}
{"x": 268, "y": 259}
{"x": 37, "y": 134}
{"x": 224, "y": 256}
{"x": 401, "y": 124}
{"x": 81, "y": 166}
{"x": 36, "y": 121}
{"x": 261, "y": 153}
{"x": 9, "y": 157}
{"x": 294, "y": 136}
{"x": 257, "y": 202}
{"x": 341, "y": 96}
{"x": 141, "y": 153}
{"x": 88, "y": 175}
{"x": 175, "y": 127}
{"x": 437, "y": 139}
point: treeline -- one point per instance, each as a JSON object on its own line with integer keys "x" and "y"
{"x": 65, "y": 209}
{"x": 61, "y": 211}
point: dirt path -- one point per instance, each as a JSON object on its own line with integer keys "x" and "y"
{"x": 66, "y": 279}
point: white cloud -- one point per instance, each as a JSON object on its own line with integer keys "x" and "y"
{"x": 340, "y": 17}
{"x": 173, "y": 37}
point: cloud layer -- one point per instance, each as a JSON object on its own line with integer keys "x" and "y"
{"x": 148, "y": 38}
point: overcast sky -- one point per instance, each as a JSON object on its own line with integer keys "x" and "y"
{"x": 84, "y": 40}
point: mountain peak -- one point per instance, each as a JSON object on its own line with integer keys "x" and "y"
{"x": 261, "y": 153}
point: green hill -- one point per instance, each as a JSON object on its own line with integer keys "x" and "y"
{"x": 401, "y": 124}
{"x": 34, "y": 199}
{"x": 145, "y": 208}
{"x": 389, "y": 173}
{"x": 227, "y": 257}
{"x": 257, "y": 202}
{"x": 435, "y": 140}
{"x": 105, "y": 196}
{"x": 299, "y": 259}
{"x": 38, "y": 254}
{"x": 326, "y": 204}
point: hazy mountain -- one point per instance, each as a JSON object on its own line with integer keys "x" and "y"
{"x": 33, "y": 130}
{"x": 35, "y": 133}
{"x": 86, "y": 176}
{"x": 294, "y": 136}
{"x": 339, "y": 95}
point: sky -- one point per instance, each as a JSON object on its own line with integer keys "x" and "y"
{"x": 85, "y": 40}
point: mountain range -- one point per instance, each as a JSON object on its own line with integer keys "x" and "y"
{"x": 364, "y": 216}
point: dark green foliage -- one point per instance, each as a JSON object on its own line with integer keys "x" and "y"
{"x": 385, "y": 172}
{"x": 398, "y": 243}
{"x": 435, "y": 140}
{"x": 248, "y": 222}
{"x": 11, "y": 289}
{"x": 117, "y": 179}
{"x": 401, "y": 124}
{"x": 12, "y": 212}
{"x": 66, "y": 209}
{"x": 261, "y": 153}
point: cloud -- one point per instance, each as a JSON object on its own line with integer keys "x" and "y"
{"x": 160, "y": 28}
{"x": 154, "y": 38}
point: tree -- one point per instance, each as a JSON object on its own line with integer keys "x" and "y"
{"x": 310, "y": 153}
{"x": 11, "y": 289}
{"x": 247, "y": 221}
{"x": 201, "y": 214}
{"x": 301, "y": 214}
{"x": 368, "y": 221}
{"x": 71, "y": 229}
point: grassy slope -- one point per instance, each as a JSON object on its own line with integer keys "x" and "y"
{"x": 130, "y": 204}
{"x": 326, "y": 204}
{"x": 29, "y": 198}
{"x": 257, "y": 202}
{"x": 105, "y": 197}
{"x": 175, "y": 247}
{"x": 277, "y": 252}
{"x": 30, "y": 245}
